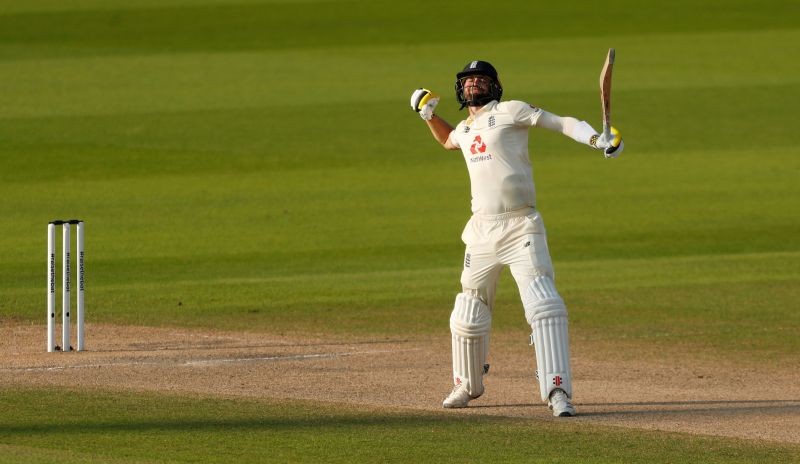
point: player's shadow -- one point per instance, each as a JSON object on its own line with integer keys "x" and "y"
{"x": 668, "y": 407}
{"x": 688, "y": 407}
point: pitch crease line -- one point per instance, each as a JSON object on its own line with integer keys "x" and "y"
{"x": 201, "y": 362}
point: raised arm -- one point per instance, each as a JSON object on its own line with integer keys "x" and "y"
{"x": 582, "y": 132}
{"x": 441, "y": 131}
{"x": 424, "y": 102}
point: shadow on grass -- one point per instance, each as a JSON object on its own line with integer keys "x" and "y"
{"x": 784, "y": 406}
{"x": 320, "y": 423}
{"x": 694, "y": 407}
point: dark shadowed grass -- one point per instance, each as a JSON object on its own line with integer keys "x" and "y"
{"x": 125, "y": 428}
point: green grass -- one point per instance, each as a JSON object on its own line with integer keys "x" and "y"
{"x": 254, "y": 164}
{"x": 73, "y": 426}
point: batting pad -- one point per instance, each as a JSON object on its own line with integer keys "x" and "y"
{"x": 547, "y": 315}
{"x": 470, "y": 323}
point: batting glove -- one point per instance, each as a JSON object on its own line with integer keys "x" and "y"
{"x": 423, "y": 101}
{"x": 611, "y": 144}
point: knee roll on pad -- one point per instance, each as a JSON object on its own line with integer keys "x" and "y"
{"x": 547, "y": 315}
{"x": 542, "y": 300}
{"x": 470, "y": 323}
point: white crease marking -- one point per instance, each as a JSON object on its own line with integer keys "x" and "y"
{"x": 205, "y": 362}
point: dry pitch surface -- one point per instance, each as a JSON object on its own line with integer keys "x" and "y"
{"x": 678, "y": 391}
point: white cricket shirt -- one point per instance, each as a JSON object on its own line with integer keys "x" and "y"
{"x": 495, "y": 146}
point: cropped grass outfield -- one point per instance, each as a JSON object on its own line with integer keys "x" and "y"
{"x": 254, "y": 164}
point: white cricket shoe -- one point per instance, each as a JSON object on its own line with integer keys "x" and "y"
{"x": 459, "y": 397}
{"x": 560, "y": 404}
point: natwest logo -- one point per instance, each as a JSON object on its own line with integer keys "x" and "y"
{"x": 477, "y": 145}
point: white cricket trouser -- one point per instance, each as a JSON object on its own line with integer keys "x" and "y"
{"x": 516, "y": 239}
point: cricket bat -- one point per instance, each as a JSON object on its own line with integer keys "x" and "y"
{"x": 605, "y": 91}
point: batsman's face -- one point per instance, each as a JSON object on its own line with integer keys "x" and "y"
{"x": 475, "y": 86}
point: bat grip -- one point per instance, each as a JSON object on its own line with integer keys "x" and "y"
{"x": 606, "y": 130}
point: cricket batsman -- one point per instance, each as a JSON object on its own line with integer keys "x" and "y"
{"x": 505, "y": 229}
